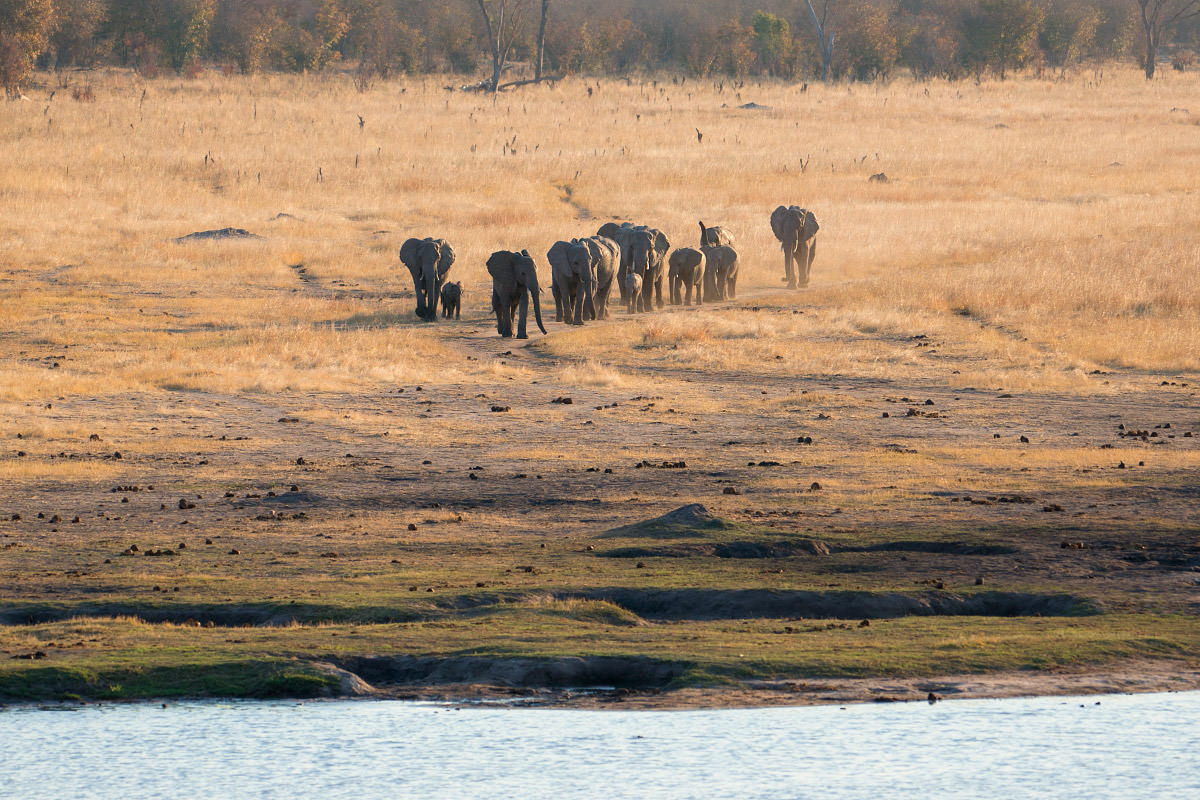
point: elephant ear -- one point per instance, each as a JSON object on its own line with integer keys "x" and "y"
{"x": 408, "y": 252}
{"x": 557, "y": 255}
{"x": 781, "y": 221}
{"x": 500, "y": 264}
{"x": 446, "y": 259}
{"x": 810, "y": 226}
{"x": 661, "y": 243}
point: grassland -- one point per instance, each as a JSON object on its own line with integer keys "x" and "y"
{"x": 977, "y": 428}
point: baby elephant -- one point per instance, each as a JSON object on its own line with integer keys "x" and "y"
{"x": 451, "y": 299}
{"x": 633, "y": 290}
{"x": 686, "y": 272}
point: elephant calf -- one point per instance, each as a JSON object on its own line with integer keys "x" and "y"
{"x": 451, "y": 299}
{"x": 633, "y": 290}
{"x": 685, "y": 273}
{"x": 720, "y": 273}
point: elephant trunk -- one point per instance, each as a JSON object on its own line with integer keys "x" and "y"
{"x": 431, "y": 298}
{"x": 537, "y": 306}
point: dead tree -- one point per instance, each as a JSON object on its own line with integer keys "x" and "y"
{"x": 1159, "y": 16}
{"x": 825, "y": 37}
{"x": 503, "y": 20}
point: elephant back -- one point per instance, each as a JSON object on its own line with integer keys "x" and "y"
{"x": 686, "y": 258}
{"x": 606, "y": 245}
{"x": 715, "y": 235}
{"x": 719, "y": 256}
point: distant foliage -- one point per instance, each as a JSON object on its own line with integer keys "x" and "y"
{"x": 24, "y": 33}
{"x": 873, "y": 39}
{"x": 870, "y": 47}
{"x": 1002, "y": 35}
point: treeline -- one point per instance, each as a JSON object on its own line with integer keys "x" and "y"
{"x": 871, "y": 39}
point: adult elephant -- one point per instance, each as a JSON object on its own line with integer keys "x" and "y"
{"x": 514, "y": 279}
{"x": 623, "y": 233}
{"x": 796, "y": 229}
{"x": 582, "y": 272}
{"x": 685, "y": 272}
{"x": 428, "y": 260}
{"x": 720, "y": 273}
{"x": 714, "y": 235}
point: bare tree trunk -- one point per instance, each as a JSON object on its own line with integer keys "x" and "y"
{"x": 541, "y": 46}
{"x": 825, "y": 41}
{"x": 1150, "y": 10}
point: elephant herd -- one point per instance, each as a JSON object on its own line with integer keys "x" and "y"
{"x": 583, "y": 271}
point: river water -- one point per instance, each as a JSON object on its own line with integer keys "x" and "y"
{"x": 1109, "y": 746}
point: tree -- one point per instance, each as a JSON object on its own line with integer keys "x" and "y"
{"x": 541, "y": 43}
{"x": 1002, "y": 35}
{"x": 773, "y": 39}
{"x": 1069, "y": 32}
{"x": 1159, "y": 16}
{"x": 74, "y": 39}
{"x": 503, "y": 21}
{"x": 186, "y": 31}
{"x": 870, "y": 47}
{"x": 824, "y": 36}
{"x": 24, "y": 25}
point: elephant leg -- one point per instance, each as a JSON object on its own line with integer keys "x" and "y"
{"x": 732, "y": 293}
{"x": 582, "y": 301}
{"x": 812, "y": 253}
{"x": 789, "y": 268}
{"x": 524, "y": 314}
{"x": 556, "y": 290}
{"x": 658, "y": 298}
{"x": 687, "y": 300}
{"x": 602, "y": 295}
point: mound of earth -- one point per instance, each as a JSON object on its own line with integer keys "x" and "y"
{"x": 220, "y": 233}
{"x": 685, "y": 521}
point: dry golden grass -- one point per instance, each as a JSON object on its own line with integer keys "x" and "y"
{"x": 1058, "y": 211}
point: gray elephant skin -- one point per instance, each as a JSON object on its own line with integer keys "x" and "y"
{"x": 715, "y": 235}
{"x": 451, "y": 299}
{"x": 514, "y": 280}
{"x": 428, "y": 260}
{"x": 796, "y": 229}
{"x": 625, "y": 234}
{"x": 685, "y": 272}
{"x": 720, "y": 273}
{"x": 633, "y": 290}
{"x": 582, "y": 272}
